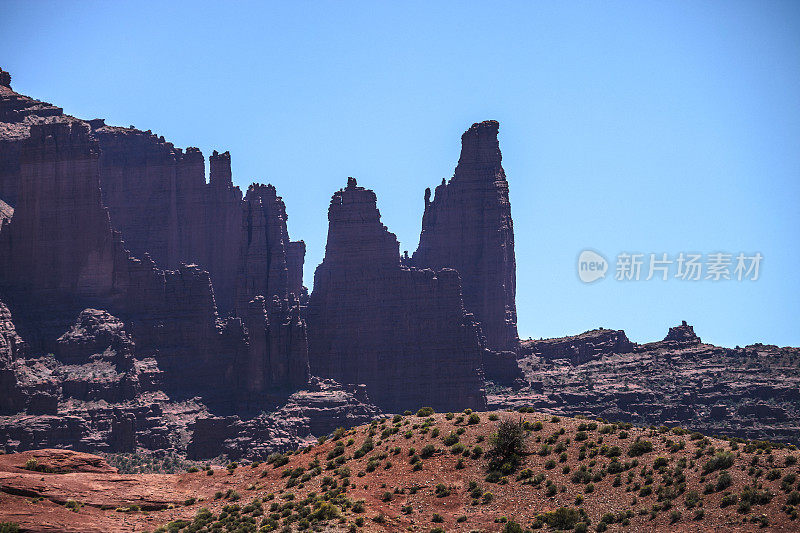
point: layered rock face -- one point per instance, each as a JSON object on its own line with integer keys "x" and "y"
{"x": 11, "y": 344}
{"x": 316, "y": 411}
{"x": 269, "y": 264}
{"x": 750, "y": 392}
{"x": 682, "y": 335}
{"x": 468, "y": 227}
{"x": 401, "y": 331}
{"x": 59, "y": 245}
{"x": 579, "y": 349}
{"x": 157, "y": 196}
{"x": 59, "y": 254}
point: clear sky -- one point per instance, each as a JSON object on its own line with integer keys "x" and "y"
{"x": 651, "y": 127}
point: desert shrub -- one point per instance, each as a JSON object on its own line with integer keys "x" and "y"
{"x": 723, "y": 481}
{"x": 720, "y": 461}
{"x": 640, "y": 447}
{"x": 660, "y": 462}
{"x": 451, "y": 439}
{"x": 563, "y": 517}
{"x": 508, "y": 442}
{"x": 692, "y": 499}
{"x": 33, "y": 464}
{"x": 756, "y": 496}
{"x": 474, "y": 418}
{"x": 427, "y": 451}
{"x": 512, "y": 527}
{"x": 9, "y": 527}
{"x": 72, "y": 505}
{"x": 728, "y": 499}
{"x": 425, "y": 411}
{"x": 437, "y": 518}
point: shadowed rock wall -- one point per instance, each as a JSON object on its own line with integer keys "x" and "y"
{"x": 401, "y": 331}
{"x": 468, "y": 227}
{"x": 59, "y": 255}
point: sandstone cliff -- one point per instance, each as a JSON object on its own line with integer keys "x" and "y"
{"x": 467, "y": 226}
{"x": 60, "y": 254}
{"x": 401, "y": 331}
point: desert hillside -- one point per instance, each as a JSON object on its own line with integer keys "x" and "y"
{"x": 489, "y": 471}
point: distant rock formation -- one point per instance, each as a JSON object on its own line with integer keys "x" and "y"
{"x": 59, "y": 254}
{"x": 269, "y": 264}
{"x": 468, "y": 227}
{"x": 157, "y": 196}
{"x": 683, "y": 334}
{"x": 401, "y": 331}
{"x": 580, "y": 349}
{"x": 308, "y": 414}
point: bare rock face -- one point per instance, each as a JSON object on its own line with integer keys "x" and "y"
{"x": 59, "y": 254}
{"x": 468, "y": 227}
{"x": 266, "y": 266}
{"x": 11, "y": 344}
{"x": 95, "y": 332}
{"x": 312, "y": 412}
{"x": 6, "y": 212}
{"x": 683, "y": 334}
{"x": 401, "y": 331}
{"x": 17, "y": 114}
{"x": 580, "y": 349}
{"x": 157, "y": 196}
{"x": 59, "y": 242}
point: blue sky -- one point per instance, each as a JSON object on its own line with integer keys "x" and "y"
{"x": 651, "y": 127}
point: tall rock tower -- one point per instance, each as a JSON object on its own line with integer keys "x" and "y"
{"x": 403, "y": 332}
{"x": 468, "y": 227}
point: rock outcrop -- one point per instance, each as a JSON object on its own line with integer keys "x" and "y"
{"x": 751, "y": 392}
{"x": 308, "y": 414}
{"x": 6, "y": 212}
{"x": 59, "y": 254}
{"x": 11, "y": 344}
{"x": 682, "y": 335}
{"x": 467, "y": 226}
{"x": 158, "y": 198}
{"x": 580, "y": 349}
{"x": 403, "y": 332}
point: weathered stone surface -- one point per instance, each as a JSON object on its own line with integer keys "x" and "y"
{"x": 310, "y": 413}
{"x": 158, "y": 198}
{"x": 468, "y": 227}
{"x": 6, "y": 212}
{"x": 59, "y": 253}
{"x": 54, "y": 461}
{"x": 751, "y": 392}
{"x": 683, "y": 334}
{"x": 95, "y": 332}
{"x": 401, "y": 331}
{"x": 581, "y": 348}
{"x": 502, "y": 367}
{"x": 263, "y": 262}
{"x": 11, "y": 344}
